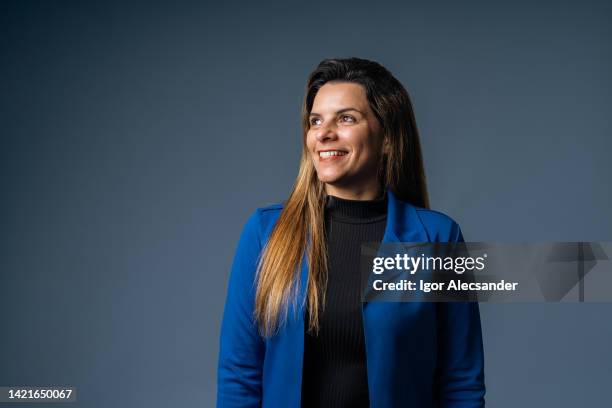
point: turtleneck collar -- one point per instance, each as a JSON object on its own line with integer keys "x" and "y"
{"x": 357, "y": 210}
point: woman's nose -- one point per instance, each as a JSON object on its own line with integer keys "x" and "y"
{"x": 327, "y": 132}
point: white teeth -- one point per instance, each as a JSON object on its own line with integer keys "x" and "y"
{"x": 331, "y": 153}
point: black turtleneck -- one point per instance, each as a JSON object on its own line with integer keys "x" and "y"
{"x": 334, "y": 373}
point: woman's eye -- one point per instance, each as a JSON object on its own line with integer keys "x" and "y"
{"x": 343, "y": 118}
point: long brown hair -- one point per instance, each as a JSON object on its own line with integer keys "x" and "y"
{"x": 300, "y": 227}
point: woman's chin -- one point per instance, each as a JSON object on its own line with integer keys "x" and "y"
{"x": 331, "y": 180}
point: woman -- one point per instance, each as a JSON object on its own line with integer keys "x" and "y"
{"x": 294, "y": 330}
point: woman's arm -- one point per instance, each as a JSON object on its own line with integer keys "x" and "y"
{"x": 460, "y": 351}
{"x": 241, "y": 350}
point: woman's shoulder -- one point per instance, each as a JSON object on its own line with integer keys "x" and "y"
{"x": 272, "y": 207}
{"x": 270, "y": 211}
{"x": 263, "y": 218}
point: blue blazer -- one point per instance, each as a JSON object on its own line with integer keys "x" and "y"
{"x": 418, "y": 354}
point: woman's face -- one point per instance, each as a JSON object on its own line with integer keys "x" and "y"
{"x": 345, "y": 141}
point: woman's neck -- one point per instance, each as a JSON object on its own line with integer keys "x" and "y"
{"x": 360, "y": 193}
{"x": 356, "y": 210}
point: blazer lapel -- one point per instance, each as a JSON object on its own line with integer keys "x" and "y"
{"x": 403, "y": 222}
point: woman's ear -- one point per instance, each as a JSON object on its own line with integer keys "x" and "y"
{"x": 386, "y": 147}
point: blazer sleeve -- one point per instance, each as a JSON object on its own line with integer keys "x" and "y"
{"x": 460, "y": 373}
{"x": 241, "y": 349}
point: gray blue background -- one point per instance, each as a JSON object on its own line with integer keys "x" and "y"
{"x": 137, "y": 138}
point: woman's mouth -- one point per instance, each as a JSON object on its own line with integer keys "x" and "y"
{"x": 331, "y": 154}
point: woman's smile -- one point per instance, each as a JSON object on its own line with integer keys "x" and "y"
{"x": 331, "y": 155}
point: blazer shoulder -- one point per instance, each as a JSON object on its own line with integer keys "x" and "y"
{"x": 264, "y": 218}
{"x": 272, "y": 207}
{"x": 270, "y": 212}
{"x": 439, "y": 226}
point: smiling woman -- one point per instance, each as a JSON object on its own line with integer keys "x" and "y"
{"x": 294, "y": 331}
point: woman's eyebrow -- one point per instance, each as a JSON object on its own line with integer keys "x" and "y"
{"x": 338, "y": 112}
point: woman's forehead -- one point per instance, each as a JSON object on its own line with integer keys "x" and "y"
{"x": 334, "y": 96}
